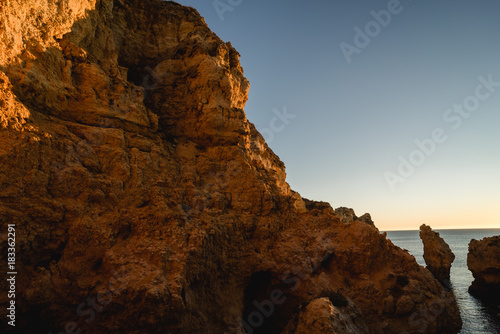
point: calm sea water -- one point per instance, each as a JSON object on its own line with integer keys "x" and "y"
{"x": 476, "y": 317}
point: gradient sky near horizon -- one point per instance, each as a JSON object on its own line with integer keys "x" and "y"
{"x": 355, "y": 121}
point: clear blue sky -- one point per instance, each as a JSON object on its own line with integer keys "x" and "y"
{"x": 355, "y": 121}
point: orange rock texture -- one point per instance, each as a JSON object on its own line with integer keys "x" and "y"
{"x": 146, "y": 202}
{"x": 483, "y": 261}
{"x": 437, "y": 254}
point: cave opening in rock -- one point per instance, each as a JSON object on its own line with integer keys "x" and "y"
{"x": 258, "y": 310}
{"x": 268, "y": 305}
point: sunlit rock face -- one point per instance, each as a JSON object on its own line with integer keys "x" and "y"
{"x": 146, "y": 202}
{"x": 321, "y": 316}
{"x": 437, "y": 254}
{"x": 483, "y": 261}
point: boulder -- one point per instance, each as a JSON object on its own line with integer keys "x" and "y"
{"x": 322, "y": 317}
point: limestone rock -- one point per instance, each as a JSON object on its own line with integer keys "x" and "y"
{"x": 322, "y": 317}
{"x": 437, "y": 254}
{"x": 146, "y": 202}
{"x": 347, "y": 216}
{"x": 483, "y": 261}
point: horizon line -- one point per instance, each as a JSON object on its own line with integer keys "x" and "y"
{"x": 443, "y": 229}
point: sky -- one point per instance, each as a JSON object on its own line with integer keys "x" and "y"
{"x": 387, "y": 107}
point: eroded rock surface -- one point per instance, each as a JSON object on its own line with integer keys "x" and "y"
{"x": 322, "y": 317}
{"x": 483, "y": 261}
{"x": 347, "y": 216}
{"x": 437, "y": 254}
{"x": 146, "y": 202}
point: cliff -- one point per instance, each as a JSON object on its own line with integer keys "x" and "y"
{"x": 437, "y": 254}
{"x": 144, "y": 201}
{"x": 483, "y": 261}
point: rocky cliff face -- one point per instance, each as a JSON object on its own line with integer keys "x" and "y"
{"x": 483, "y": 261}
{"x": 146, "y": 202}
{"x": 437, "y": 254}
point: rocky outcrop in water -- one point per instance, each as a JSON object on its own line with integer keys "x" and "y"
{"x": 437, "y": 254}
{"x": 146, "y": 202}
{"x": 483, "y": 261}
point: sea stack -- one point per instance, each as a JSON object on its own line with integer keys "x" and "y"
{"x": 145, "y": 201}
{"x": 483, "y": 261}
{"x": 437, "y": 254}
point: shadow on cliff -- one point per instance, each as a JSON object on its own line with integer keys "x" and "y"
{"x": 64, "y": 87}
{"x": 81, "y": 92}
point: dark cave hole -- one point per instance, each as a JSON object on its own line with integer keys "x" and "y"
{"x": 137, "y": 75}
{"x": 403, "y": 281}
{"x": 338, "y": 299}
{"x": 268, "y": 303}
{"x": 259, "y": 310}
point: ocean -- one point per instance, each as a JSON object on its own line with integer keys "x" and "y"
{"x": 476, "y": 316}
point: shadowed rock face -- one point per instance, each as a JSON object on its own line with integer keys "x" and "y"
{"x": 483, "y": 261}
{"x": 146, "y": 202}
{"x": 437, "y": 254}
